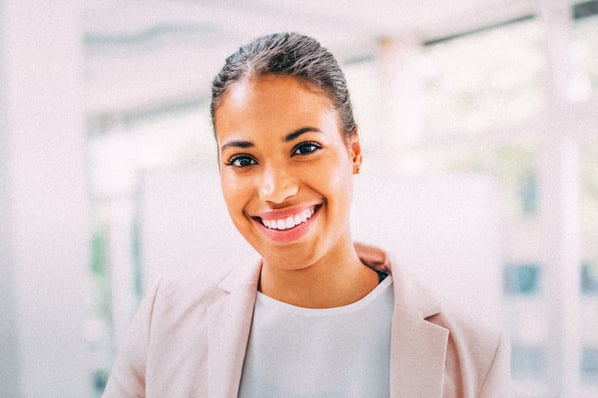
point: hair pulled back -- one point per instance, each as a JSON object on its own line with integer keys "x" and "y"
{"x": 288, "y": 54}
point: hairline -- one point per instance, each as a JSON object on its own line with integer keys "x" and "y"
{"x": 253, "y": 75}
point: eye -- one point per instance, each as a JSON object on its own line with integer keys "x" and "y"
{"x": 241, "y": 161}
{"x": 306, "y": 148}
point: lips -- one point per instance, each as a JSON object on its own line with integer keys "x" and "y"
{"x": 288, "y": 224}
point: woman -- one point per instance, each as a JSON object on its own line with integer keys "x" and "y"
{"x": 319, "y": 315}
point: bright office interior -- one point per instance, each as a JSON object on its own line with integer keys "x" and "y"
{"x": 479, "y": 125}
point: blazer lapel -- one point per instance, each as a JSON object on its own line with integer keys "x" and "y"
{"x": 229, "y": 326}
{"x": 418, "y": 353}
{"x": 418, "y": 349}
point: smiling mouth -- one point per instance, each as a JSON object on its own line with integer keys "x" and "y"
{"x": 290, "y": 222}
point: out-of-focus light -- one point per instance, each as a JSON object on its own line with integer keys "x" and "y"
{"x": 579, "y": 89}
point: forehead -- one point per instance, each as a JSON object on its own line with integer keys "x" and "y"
{"x": 271, "y": 100}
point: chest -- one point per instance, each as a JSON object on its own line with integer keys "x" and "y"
{"x": 340, "y": 352}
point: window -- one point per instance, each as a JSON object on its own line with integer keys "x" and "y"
{"x": 485, "y": 80}
{"x": 585, "y": 47}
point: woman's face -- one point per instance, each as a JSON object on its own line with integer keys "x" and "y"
{"x": 286, "y": 170}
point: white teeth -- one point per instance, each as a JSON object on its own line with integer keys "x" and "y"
{"x": 289, "y": 222}
{"x": 307, "y": 213}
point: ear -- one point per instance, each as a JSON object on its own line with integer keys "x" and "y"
{"x": 355, "y": 152}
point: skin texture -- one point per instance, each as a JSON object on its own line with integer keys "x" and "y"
{"x": 281, "y": 151}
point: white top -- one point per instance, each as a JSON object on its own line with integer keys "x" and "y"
{"x": 334, "y": 352}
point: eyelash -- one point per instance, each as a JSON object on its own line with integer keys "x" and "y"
{"x": 242, "y": 161}
{"x": 314, "y": 147}
{"x": 237, "y": 158}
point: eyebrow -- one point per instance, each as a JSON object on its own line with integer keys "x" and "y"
{"x": 295, "y": 134}
{"x": 237, "y": 144}
{"x": 289, "y": 137}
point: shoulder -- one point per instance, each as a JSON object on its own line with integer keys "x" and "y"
{"x": 171, "y": 295}
{"x": 470, "y": 338}
{"x": 170, "y": 331}
{"x": 477, "y": 355}
{"x": 477, "y": 351}
{"x": 475, "y": 333}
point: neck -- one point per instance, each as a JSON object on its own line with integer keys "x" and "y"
{"x": 333, "y": 281}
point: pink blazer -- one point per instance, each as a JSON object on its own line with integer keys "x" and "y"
{"x": 190, "y": 334}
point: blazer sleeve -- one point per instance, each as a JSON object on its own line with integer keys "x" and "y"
{"x": 497, "y": 383}
{"x": 127, "y": 379}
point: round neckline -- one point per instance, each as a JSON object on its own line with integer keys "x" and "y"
{"x": 344, "y": 309}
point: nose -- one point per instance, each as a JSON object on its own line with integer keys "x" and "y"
{"x": 277, "y": 185}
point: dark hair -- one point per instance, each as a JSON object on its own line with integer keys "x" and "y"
{"x": 288, "y": 54}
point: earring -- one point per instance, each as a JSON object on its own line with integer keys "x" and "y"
{"x": 356, "y": 170}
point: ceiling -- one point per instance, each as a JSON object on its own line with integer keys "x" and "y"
{"x": 144, "y": 54}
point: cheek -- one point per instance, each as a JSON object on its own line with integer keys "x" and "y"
{"x": 337, "y": 182}
{"x": 342, "y": 169}
{"x": 344, "y": 191}
{"x": 232, "y": 193}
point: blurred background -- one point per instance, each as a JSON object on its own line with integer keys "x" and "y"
{"x": 479, "y": 121}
